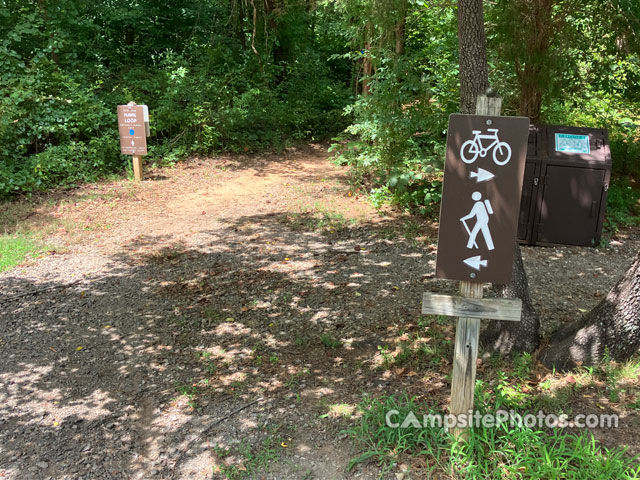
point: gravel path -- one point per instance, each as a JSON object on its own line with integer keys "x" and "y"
{"x": 190, "y": 332}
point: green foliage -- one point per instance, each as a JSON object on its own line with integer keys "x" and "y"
{"x": 623, "y": 207}
{"x": 329, "y": 341}
{"x": 232, "y": 83}
{"x": 579, "y": 65}
{"x": 385, "y": 444}
{"x": 66, "y": 65}
{"x": 395, "y": 144}
{"x": 489, "y": 453}
{"x": 246, "y": 461}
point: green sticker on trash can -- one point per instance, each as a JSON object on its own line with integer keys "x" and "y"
{"x": 568, "y": 143}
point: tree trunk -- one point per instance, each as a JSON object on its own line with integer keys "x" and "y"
{"x": 532, "y": 65}
{"x": 129, "y": 35}
{"x": 523, "y": 336}
{"x": 530, "y": 100}
{"x": 367, "y": 69}
{"x": 612, "y": 327}
{"x": 238, "y": 16}
{"x": 503, "y": 337}
{"x": 472, "y": 49}
{"x": 274, "y": 9}
{"x": 400, "y": 29}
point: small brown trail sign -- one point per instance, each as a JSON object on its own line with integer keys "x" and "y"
{"x": 133, "y": 129}
{"x": 477, "y": 234}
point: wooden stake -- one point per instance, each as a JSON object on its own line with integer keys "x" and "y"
{"x": 465, "y": 355}
{"x": 137, "y": 168}
{"x": 463, "y": 380}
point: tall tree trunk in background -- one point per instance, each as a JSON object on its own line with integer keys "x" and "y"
{"x": 503, "y": 337}
{"x": 274, "y": 9}
{"x": 400, "y": 28}
{"x": 472, "y": 49}
{"x": 270, "y": 7}
{"x": 129, "y": 35}
{"x": 537, "y": 26}
{"x": 367, "y": 69}
{"x": 613, "y": 326}
{"x": 238, "y": 16}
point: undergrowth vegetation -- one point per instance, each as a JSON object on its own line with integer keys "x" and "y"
{"x": 502, "y": 452}
{"x": 576, "y": 75}
{"x": 213, "y": 78}
{"x": 380, "y": 78}
{"x": 391, "y": 430}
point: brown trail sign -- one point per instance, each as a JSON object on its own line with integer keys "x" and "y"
{"x": 133, "y": 127}
{"x": 481, "y": 197}
{"x": 477, "y": 233}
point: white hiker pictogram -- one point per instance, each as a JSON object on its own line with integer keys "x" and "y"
{"x": 480, "y": 211}
{"x": 472, "y": 148}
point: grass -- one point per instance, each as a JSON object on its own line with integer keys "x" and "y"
{"x": 329, "y": 341}
{"x": 190, "y": 391}
{"x": 342, "y": 410}
{"x": 302, "y": 341}
{"x": 418, "y": 348}
{"x": 504, "y": 452}
{"x": 14, "y": 249}
{"x": 244, "y": 461}
{"x": 319, "y": 218}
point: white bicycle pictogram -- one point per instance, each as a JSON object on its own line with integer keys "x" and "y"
{"x": 472, "y": 148}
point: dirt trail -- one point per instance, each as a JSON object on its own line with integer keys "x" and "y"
{"x": 224, "y": 316}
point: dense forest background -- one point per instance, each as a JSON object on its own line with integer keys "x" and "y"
{"x": 377, "y": 77}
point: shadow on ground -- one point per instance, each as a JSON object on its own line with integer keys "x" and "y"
{"x": 129, "y": 373}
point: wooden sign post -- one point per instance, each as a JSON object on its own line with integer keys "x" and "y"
{"x": 476, "y": 242}
{"x": 133, "y": 125}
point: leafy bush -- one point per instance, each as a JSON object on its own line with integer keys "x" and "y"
{"x": 623, "y": 207}
{"x": 67, "y": 65}
{"x": 396, "y": 141}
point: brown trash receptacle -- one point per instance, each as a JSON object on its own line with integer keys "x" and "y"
{"x": 564, "y": 194}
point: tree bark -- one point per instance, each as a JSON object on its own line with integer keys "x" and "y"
{"x": 508, "y": 337}
{"x": 502, "y": 337}
{"x": 472, "y": 49}
{"x": 271, "y": 8}
{"x": 400, "y": 29}
{"x": 612, "y": 327}
{"x": 238, "y": 18}
{"x": 532, "y": 63}
{"x": 367, "y": 69}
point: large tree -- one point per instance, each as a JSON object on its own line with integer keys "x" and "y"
{"x": 611, "y": 329}
{"x": 614, "y": 324}
{"x": 503, "y": 337}
{"x": 472, "y": 51}
{"x": 526, "y": 32}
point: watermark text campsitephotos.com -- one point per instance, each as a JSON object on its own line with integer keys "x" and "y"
{"x": 476, "y": 419}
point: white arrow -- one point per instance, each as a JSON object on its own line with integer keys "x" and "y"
{"x": 481, "y": 175}
{"x": 132, "y": 143}
{"x": 476, "y": 262}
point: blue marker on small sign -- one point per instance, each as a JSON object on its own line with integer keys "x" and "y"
{"x": 132, "y": 131}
